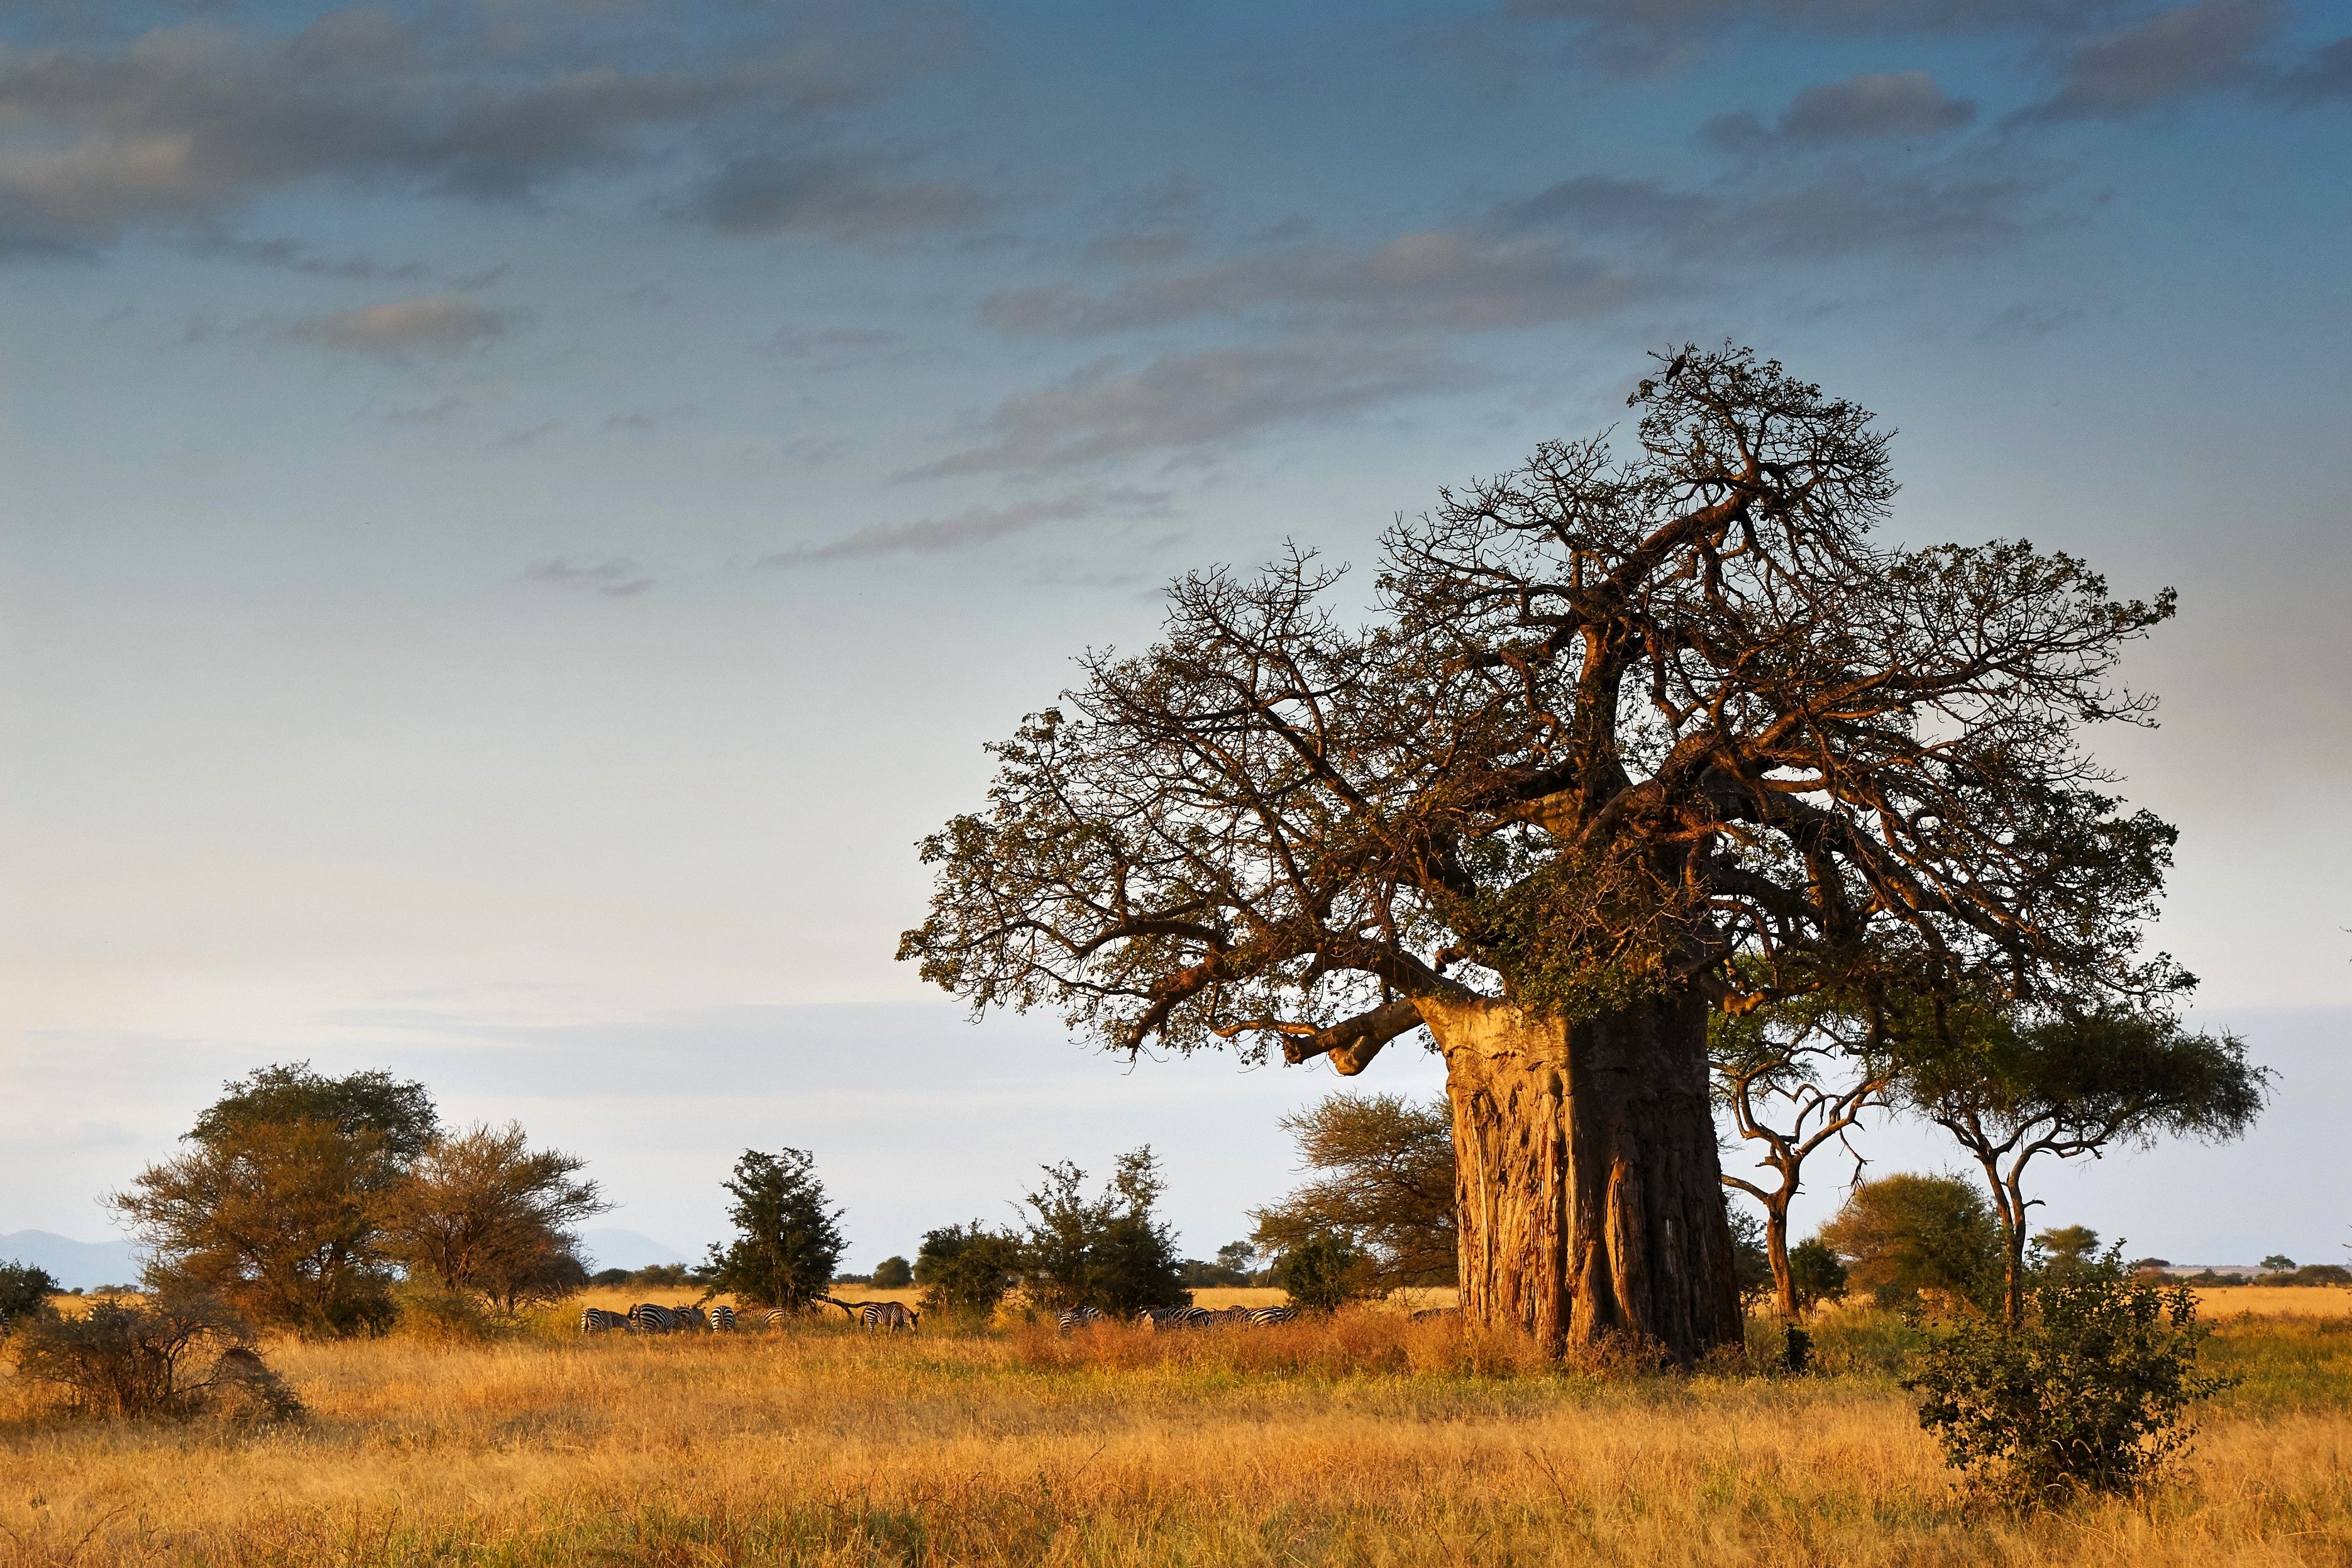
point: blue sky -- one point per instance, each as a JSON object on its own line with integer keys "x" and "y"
{"x": 514, "y": 515}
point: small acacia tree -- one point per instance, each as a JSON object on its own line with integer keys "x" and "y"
{"x": 2012, "y": 1086}
{"x": 1795, "y": 1076}
{"x": 966, "y": 1270}
{"x": 787, "y": 1241}
{"x": 1384, "y": 1179}
{"x": 1904, "y": 1234}
{"x": 482, "y": 1212}
{"x": 1627, "y": 740}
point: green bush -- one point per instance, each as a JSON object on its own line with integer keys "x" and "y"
{"x": 1323, "y": 1272}
{"x": 965, "y": 1270}
{"x": 2090, "y": 1393}
{"x": 25, "y": 1290}
{"x": 1818, "y": 1273}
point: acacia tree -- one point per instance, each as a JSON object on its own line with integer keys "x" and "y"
{"x": 1625, "y": 741}
{"x": 2071, "y": 1080}
{"x": 788, "y": 1237}
{"x": 1385, "y": 1180}
{"x": 1794, "y": 1076}
{"x": 482, "y": 1211}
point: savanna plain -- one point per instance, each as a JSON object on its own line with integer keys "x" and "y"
{"x": 1364, "y": 1437}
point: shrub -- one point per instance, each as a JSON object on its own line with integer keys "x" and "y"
{"x": 1904, "y": 1234}
{"x": 788, "y": 1237}
{"x": 174, "y": 1358}
{"x": 2090, "y": 1393}
{"x": 965, "y": 1270}
{"x": 25, "y": 1290}
{"x": 1818, "y": 1273}
{"x": 1323, "y": 1271}
{"x": 1111, "y": 1252}
{"x": 893, "y": 1273}
{"x": 1751, "y": 1264}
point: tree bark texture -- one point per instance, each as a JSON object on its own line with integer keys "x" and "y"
{"x": 1590, "y": 1199}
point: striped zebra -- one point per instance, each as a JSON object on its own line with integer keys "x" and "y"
{"x": 1078, "y": 1318}
{"x": 887, "y": 1316}
{"x": 1266, "y": 1317}
{"x": 595, "y": 1320}
{"x": 722, "y": 1318}
{"x": 1164, "y": 1318}
{"x": 652, "y": 1320}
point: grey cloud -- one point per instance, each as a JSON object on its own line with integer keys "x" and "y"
{"x": 1846, "y": 212}
{"x": 515, "y": 440}
{"x": 972, "y": 526}
{"x": 1180, "y": 402}
{"x": 187, "y": 124}
{"x": 436, "y": 326}
{"x": 437, "y": 412}
{"x": 292, "y": 256}
{"x": 1641, "y": 37}
{"x": 835, "y": 195}
{"x": 2327, "y": 74}
{"x": 2172, "y": 55}
{"x": 2029, "y": 321}
{"x": 618, "y": 578}
{"x": 1435, "y": 280}
{"x": 1900, "y": 103}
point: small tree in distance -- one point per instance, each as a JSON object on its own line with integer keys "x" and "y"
{"x": 1816, "y": 1273}
{"x": 787, "y": 1241}
{"x": 1904, "y": 1234}
{"x": 1385, "y": 1178}
{"x": 1110, "y": 1252}
{"x": 25, "y": 1290}
{"x": 966, "y": 1270}
{"x": 483, "y": 1212}
{"x": 1322, "y": 1271}
{"x": 893, "y": 1273}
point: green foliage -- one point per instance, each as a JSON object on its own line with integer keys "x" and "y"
{"x": 1384, "y": 1176}
{"x": 1110, "y": 1252}
{"x": 2278, "y": 1261}
{"x": 1818, "y": 1273}
{"x": 787, "y": 1240}
{"x": 1751, "y": 1264}
{"x": 2066, "y": 1249}
{"x": 1323, "y": 1272}
{"x": 25, "y": 1289}
{"x": 893, "y": 1273}
{"x": 1904, "y": 1234}
{"x": 173, "y": 1357}
{"x": 2090, "y": 1393}
{"x": 400, "y": 1114}
{"x": 965, "y": 1270}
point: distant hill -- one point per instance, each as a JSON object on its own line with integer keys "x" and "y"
{"x": 609, "y": 1247}
{"x": 84, "y": 1264}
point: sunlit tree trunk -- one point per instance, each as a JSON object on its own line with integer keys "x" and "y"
{"x": 1589, "y": 1194}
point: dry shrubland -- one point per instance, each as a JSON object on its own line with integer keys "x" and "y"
{"x": 1367, "y": 1438}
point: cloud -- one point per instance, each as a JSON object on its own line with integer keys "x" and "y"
{"x": 618, "y": 578}
{"x": 1181, "y": 401}
{"x": 1861, "y": 108}
{"x": 2172, "y": 55}
{"x": 1847, "y": 213}
{"x": 2029, "y": 321}
{"x": 1441, "y": 280}
{"x": 436, "y": 326}
{"x": 516, "y": 440}
{"x": 183, "y": 125}
{"x": 839, "y": 195}
{"x": 972, "y": 526}
{"x": 1128, "y": 249}
{"x": 1643, "y": 36}
{"x": 2327, "y": 74}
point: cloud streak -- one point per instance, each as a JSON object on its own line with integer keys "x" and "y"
{"x": 1859, "y": 109}
{"x": 434, "y": 327}
{"x": 618, "y": 578}
{"x": 2173, "y": 55}
{"x": 966, "y": 530}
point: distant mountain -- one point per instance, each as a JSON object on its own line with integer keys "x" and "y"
{"x": 86, "y": 1264}
{"x": 609, "y": 1247}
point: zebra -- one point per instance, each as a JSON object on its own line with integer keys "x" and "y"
{"x": 1264, "y": 1317}
{"x": 1430, "y": 1314}
{"x": 595, "y": 1320}
{"x": 652, "y": 1320}
{"x": 1163, "y": 1317}
{"x": 1078, "y": 1318}
{"x": 888, "y": 1316}
{"x": 722, "y": 1318}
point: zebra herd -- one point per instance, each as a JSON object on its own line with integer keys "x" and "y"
{"x": 645, "y": 1318}
{"x": 889, "y": 1317}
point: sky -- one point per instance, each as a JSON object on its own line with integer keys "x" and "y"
{"x": 514, "y": 515}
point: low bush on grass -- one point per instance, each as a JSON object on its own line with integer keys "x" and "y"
{"x": 2091, "y": 1394}
{"x": 172, "y": 1358}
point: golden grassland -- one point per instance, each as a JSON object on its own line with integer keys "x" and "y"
{"x": 1363, "y": 1439}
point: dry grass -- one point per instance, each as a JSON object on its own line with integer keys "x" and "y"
{"x": 1367, "y": 1440}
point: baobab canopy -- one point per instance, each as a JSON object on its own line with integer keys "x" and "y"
{"x": 1632, "y": 735}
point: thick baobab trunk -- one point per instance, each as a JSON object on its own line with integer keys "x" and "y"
{"x": 1591, "y": 1203}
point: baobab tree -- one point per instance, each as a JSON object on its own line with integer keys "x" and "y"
{"x": 1624, "y": 740}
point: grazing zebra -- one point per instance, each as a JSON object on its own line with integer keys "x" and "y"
{"x": 722, "y": 1318}
{"x": 652, "y": 1320}
{"x": 1175, "y": 1317}
{"x": 595, "y": 1320}
{"x": 1428, "y": 1314}
{"x": 888, "y": 1316}
{"x": 1078, "y": 1318}
{"x": 1266, "y": 1317}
